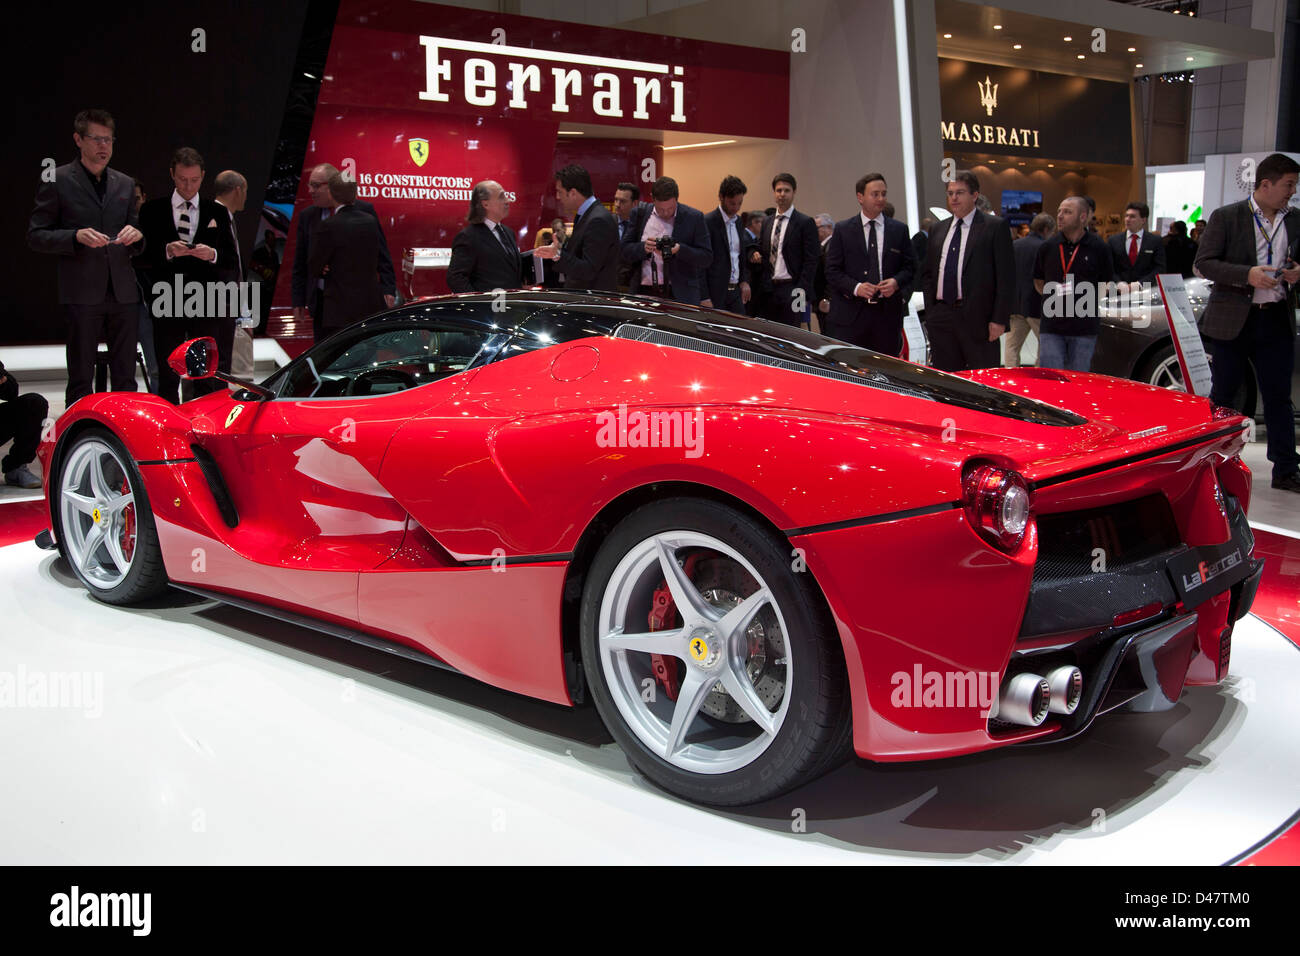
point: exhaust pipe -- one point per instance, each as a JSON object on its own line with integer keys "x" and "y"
{"x": 1023, "y": 700}
{"x": 1066, "y": 686}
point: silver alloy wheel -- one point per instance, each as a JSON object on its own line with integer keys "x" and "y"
{"x": 97, "y": 516}
{"x": 715, "y": 645}
{"x": 1168, "y": 374}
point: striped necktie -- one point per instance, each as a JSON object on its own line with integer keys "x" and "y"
{"x": 185, "y": 227}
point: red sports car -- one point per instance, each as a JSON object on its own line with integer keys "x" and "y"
{"x": 755, "y": 549}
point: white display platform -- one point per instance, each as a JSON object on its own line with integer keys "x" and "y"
{"x": 224, "y": 737}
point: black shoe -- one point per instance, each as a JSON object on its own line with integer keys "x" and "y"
{"x": 1290, "y": 482}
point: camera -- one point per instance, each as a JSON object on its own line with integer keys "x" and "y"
{"x": 665, "y": 245}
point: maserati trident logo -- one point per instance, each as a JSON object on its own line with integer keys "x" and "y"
{"x": 419, "y": 151}
{"x": 988, "y": 94}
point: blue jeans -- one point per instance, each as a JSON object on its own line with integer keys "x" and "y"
{"x": 1070, "y": 352}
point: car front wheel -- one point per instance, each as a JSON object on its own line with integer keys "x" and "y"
{"x": 103, "y": 522}
{"x": 711, "y": 659}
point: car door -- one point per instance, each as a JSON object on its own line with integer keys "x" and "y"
{"x": 301, "y": 469}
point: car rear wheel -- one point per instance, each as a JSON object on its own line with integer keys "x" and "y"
{"x": 103, "y": 522}
{"x": 713, "y": 662}
{"x": 1163, "y": 371}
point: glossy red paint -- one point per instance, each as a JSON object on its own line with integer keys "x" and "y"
{"x": 365, "y": 510}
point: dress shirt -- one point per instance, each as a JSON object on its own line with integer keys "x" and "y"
{"x": 733, "y": 242}
{"x": 879, "y": 225}
{"x": 178, "y": 203}
{"x": 654, "y": 228}
{"x": 1278, "y": 228}
{"x": 961, "y": 253}
{"x": 779, "y": 271}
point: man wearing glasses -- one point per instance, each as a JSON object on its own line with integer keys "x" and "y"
{"x": 86, "y": 217}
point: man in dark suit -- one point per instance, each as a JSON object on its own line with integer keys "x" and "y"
{"x": 788, "y": 250}
{"x": 346, "y": 251}
{"x": 726, "y": 279}
{"x": 1180, "y": 252}
{"x": 626, "y": 201}
{"x": 308, "y": 296}
{"x": 1139, "y": 256}
{"x": 86, "y": 217}
{"x": 678, "y": 273}
{"x": 920, "y": 245}
{"x": 969, "y": 280}
{"x": 484, "y": 255}
{"x": 821, "y": 290}
{"x": 869, "y": 262}
{"x": 190, "y": 245}
{"x": 589, "y": 259}
{"x": 1249, "y": 252}
{"x": 755, "y": 263}
{"x": 232, "y": 193}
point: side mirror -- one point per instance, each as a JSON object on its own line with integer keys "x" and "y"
{"x": 195, "y": 359}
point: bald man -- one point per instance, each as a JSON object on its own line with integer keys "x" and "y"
{"x": 309, "y": 292}
{"x": 1068, "y": 271}
{"x": 235, "y": 348}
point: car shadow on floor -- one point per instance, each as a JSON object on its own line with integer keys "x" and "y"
{"x": 996, "y": 805}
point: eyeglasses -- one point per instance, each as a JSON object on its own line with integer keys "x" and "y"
{"x": 312, "y": 185}
{"x": 101, "y": 140}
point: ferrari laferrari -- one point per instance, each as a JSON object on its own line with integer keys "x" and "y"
{"x": 757, "y": 551}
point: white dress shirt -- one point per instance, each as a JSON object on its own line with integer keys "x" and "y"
{"x": 779, "y": 271}
{"x": 961, "y": 252}
{"x": 178, "y": 204}
{"x": 879, "y": 225}
{"x": 1279, "y": 244}
{"x": 733, "y": 243}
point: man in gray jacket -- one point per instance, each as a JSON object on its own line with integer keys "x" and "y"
{"x": 86, "y": 217}
{"x": 1249, "y": 252}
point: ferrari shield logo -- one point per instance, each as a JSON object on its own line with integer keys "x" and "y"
{"x": 419, "y": 150}
{"x": 234, "y": 413}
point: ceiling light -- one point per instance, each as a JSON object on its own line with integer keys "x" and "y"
{"x": 1132, "y": 49}
{"x": 1015, "y": 46}
{"x": 1067, "y": 39}
{"x": 1139, "y": 66}
{"x": 571, "y": 132}
{"x": 947, "y": 36}
{"x": 1079, "y": 56}
{"x": 1051, "y": 165}
{"x": 1189, "y": 59}
{"x": 997, "y": 26}
{"x": 716, "y": 142}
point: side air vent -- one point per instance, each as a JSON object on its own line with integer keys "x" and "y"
{"x": 217, "y": 485}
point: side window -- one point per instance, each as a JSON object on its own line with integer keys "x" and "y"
{"x": 552, "y": 327}
{"x": 380, "y": 361}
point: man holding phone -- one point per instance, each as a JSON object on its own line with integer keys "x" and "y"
{"x": 1249, "y": 252}
{"x": 86, "y": 217}
{"x": 189, "y": 238}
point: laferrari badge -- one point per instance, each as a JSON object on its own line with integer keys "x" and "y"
{"x": 419, "y": 150}
{"x": 234, "y": 413}
{"x": 699, "y": 650}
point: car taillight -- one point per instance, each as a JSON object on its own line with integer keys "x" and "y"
{"x": 997, "y": 504}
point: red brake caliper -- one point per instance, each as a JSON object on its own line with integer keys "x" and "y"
{"x": 128, "y": 525}
{"x": 663, "y": 615}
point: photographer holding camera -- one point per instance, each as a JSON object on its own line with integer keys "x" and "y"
{"x": 671, "y": 243}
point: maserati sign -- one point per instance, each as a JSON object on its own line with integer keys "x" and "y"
{"x": 551, "y": 82}
{"x": 988, "y": 94}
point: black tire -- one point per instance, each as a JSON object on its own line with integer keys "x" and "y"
{"x": 816, "y": 733}
{"x": 1245, "y": 400}
{"x": 147, "y": 576}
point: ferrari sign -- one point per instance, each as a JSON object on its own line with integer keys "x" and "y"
{"x": 419, "y": 151}
{"x": 552, "y": 81}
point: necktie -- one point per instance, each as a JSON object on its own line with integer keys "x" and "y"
{"x": 776, "y": 238}
{"x": 1132, "y": 250}
{"x": 184, "y": 229}
{"x": 234, "y": 237}
{"x": 505, "y": 241}
{"x": 949, "y": 292}
{"x": 873, "y": 254}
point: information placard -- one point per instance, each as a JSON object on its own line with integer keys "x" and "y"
{"x": 1187, "y": 338}
{"x": 914, "y": 337}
